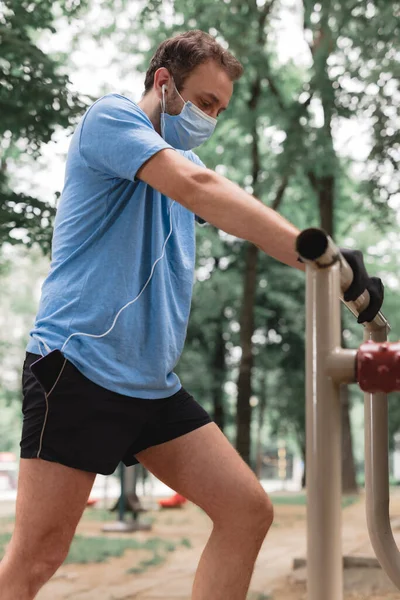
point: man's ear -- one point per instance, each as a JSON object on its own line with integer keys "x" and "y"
{"x": 161, "y": 80}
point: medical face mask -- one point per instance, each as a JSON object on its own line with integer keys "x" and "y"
{"x": 187, "y": 130}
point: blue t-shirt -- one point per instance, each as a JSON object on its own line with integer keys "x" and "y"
{"x": 110, "y": 229}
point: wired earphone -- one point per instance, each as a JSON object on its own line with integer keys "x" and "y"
{"x": 97, "y": 336}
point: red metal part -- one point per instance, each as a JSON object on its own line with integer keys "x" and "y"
{"x": 378, "y": 367}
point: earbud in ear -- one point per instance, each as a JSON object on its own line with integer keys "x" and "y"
{"x": 164, "y": 87}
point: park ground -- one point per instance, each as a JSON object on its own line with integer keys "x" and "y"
{"x": 160, "y": 564}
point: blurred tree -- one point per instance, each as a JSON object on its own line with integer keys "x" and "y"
{"x": 331, "y": 27}
{"x": 21, "y": 278}
{"x": 205, "y": 366}
{"x": 34, "y": 101}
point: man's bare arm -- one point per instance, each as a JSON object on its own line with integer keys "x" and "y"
{"x": 222, "y": 203}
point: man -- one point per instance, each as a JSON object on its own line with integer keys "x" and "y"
{"x": 99, "y": 385}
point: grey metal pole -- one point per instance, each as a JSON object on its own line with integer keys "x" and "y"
{"x": 377, "y": 474}
{"x": 328, "y": 276}
{"x": 323, "y": 428}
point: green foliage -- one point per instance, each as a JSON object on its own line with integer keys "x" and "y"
{"x": 20, "y": 272}
{"x": 11, "y": 420}
{"x": 34, "y": 101}
{"x": 24, "y": 218}
{"x": 368, "y": 36}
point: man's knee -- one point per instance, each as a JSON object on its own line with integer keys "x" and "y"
{"x": 40, "y": 564}
{"x": 260, "y": 510}
{"x": 43, "y": 566}
{"x": 252, "y": 510}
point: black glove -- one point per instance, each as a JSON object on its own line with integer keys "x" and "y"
{"x": 362, "y": 281}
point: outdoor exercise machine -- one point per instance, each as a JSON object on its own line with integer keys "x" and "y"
{"x": 128, "y": 502}
{"x": 375, "y": 366}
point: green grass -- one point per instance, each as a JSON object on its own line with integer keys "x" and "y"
{"x": 98, "y": 514}
{"x": 4, "y": 539}
{"x": 98, "y": 549}
{"x": 349, "y": 500}
{"x": 157, "y": 559}
{"x": 301, "y": 500}
{"x": 103, "y": 515}
{"x": 5, "y": 523}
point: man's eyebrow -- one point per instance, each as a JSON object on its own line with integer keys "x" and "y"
{"x": 215, "y": 100}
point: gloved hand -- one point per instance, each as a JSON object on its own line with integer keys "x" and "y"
{"x": 362, "y": 281}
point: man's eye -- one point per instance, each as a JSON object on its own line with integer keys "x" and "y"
{"x": 205, "y": 104}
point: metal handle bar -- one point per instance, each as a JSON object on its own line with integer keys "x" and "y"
{"x": 317, "y": 249}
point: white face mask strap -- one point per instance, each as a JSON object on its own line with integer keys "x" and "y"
{"x": 183, "y": 100}
{"x": 164, "y": 105}
{"x": 163, "y": 110}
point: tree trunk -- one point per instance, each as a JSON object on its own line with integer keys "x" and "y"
{"x": 304, "y": 478}
{"x": 219, "y": 367}
{"x": 261, "y": 414}
{"x": 243, "y": 419}
{"x": 326, "y": 199}
{"x": 247, "y": 325}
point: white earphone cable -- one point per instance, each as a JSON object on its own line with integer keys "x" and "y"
{"x": 91, "y": 335}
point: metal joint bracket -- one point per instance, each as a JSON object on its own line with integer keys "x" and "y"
{"x": 378, "y": 367}
{"x": 341, "y": 365}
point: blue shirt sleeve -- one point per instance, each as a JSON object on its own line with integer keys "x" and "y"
{"x": 117, "y": 137}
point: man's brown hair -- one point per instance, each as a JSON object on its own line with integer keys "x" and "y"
{"x": 183, "y": 52}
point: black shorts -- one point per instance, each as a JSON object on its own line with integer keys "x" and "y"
{"x": 84, "y": 426}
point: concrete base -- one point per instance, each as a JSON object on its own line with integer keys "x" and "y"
{"x": 349, "y": 562}
{"x": 123, "y": 527}
{"x": 361, "y": 574}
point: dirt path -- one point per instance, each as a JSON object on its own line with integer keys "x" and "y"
{"x": 172, "y": 580}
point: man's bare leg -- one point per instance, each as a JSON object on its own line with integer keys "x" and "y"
{"x": 206, "y": 469}
{"x": 50, "y": 502}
